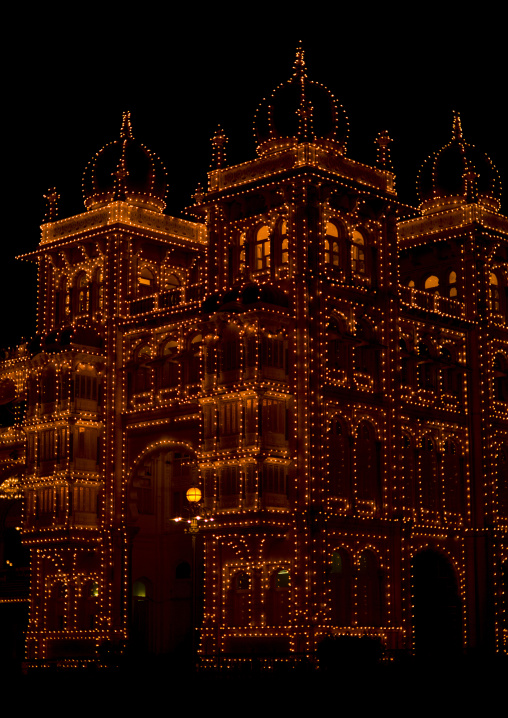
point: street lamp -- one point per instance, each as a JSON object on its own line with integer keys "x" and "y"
{"x": 193, "y": 496}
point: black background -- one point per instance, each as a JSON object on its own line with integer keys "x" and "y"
{"x": 69, "y": 75}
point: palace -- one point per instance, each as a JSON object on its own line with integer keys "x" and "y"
{"x": 328, "y": 365}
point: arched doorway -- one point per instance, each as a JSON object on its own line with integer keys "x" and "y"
{"x": 437, "y": 613}
{"x": 160, "y": 588}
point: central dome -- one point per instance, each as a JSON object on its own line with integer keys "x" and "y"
{"x": 300, "y": 110}
{"x": 125, "y": 170}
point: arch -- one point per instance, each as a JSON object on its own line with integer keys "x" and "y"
{"x": 238, "y": 600}
{"x": 437, "y": 623}
{"x": 370, "y": 597}
{"x": 277, "y": 599}
{"x": 367, "y": 464}
{"x": 339, "y": 460}
{"x": 341, "y": 594}
{"x": 428, "y": 469}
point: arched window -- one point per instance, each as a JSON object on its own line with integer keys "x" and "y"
{"x": 262, "y": 249}
{"x": 370, "y": 597}
{"x": 172, "y": 281}
{"x": 495, "y": 293}
{"x": 98, "y": 290}
{"x": 332, "y": 245}
{"x": 451, "y": 373}
{"x": 452, "y": 285}
{"x": 339, "y": 461}
{"x": 358, "y": 256}
{"x": 367, "y": 461}
{"x": 146, "y": 281}
{"x": 432, "y": 284}
{"x": 142, "y": 374}
{"x": 82, "y": 294}
{"x": 284, "y": 244}
{"x": 169, "y": 368}
{"x": 428, "y": 474}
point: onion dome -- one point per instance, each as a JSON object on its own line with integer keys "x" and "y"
{"x": 300, "y": 110}
{"x": 458, "y": 174}
{"x": 125, "y": 170}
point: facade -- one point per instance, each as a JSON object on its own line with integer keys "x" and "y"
{"x": 328, "y": 365}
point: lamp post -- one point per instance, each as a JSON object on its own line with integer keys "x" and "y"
{"x": 193, "y": 496}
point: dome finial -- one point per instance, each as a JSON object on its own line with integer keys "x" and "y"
{"x": 126, "y": 129}
{"x": 457, "y": 127}
{"x": 299, "y": 66}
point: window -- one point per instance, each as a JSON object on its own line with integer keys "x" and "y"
{"x": 82, "y": 290}
{"x": 262, "y": 249}
{"x": 358, "y": 254}
{"x": 452, "y": 285}
{"x": 332, "y": 249}
{"x": 432, "y": 284}
{"x": 146, "y": 281}
{"x": 284, "y": 244}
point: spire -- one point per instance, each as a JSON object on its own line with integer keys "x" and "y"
{"x": 383, "y": 142}
{"x": 126, "y": 129}
{"x": 305, "y": 108}
{"x": 51, "y": 197}
{"x": 457, "y": 127}
{"x": 219, "y": 142}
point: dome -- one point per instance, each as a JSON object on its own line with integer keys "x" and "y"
{"x": 125, "y": 170}
{"x": 300, "y": 110}
{"x": 457, "y": 174}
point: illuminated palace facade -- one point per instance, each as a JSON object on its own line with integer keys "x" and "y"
{"x": 327, "y": 364}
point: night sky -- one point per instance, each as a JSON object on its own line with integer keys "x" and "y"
{"x": 180, "y": 74}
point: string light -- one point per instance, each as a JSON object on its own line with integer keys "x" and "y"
{"x": 324, "y": 365}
